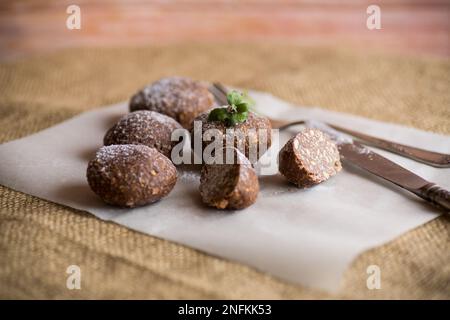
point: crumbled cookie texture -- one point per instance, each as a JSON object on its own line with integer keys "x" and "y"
{"x": 253, "y": 136}
{"x": 177, "y": 97}
{"x": 130, "y": 175}
{"x": 229, "y": 186}
{"x": 149, "y": 128}
{"x": 309, "y": 158}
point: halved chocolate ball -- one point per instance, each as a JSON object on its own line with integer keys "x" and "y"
{"x": 309, "y": 158}
{"x": 229, "y": 186}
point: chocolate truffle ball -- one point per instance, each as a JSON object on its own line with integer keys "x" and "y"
{"x": 248, "y": 135}
{"x": 149, "y": 128}
{"x": 180, "y": 98}
{"x": 229, "y": 186}
{"x": 309, "y": 158}
{"x": 130, "y": 175}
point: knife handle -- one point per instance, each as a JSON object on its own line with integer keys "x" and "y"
{"x": 436, "y": 195}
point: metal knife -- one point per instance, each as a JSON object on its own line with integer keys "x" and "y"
{"x": 378, "y": 165}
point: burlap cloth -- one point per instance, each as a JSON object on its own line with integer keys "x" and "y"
{"x": 39, "y": 239}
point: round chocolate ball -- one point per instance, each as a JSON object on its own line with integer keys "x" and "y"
{"x": 130, "y": 175}
{"x": 252, "y": 137}
{"x": 149, "y": 128}
{"x": 180, "y": 98}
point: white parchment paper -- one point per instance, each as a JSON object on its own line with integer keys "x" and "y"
{"x": 302, "y": 236}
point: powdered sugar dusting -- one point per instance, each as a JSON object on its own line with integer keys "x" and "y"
{"x": 143, "y": 119}
{"x": 144, "y": 127}
{"x": 108, "y": 154}
{"x": 170, "y": 88}
{"x": 180, "y": 98}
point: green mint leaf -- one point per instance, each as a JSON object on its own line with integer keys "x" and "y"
{"x": 240, "y": 117}
{"x": 236, "y": 111}
{"x": 242, "y": 107}
{"x": 230, "y": 121}
{"x": 234, "y": 97}
{"x": 218, "y": 114}
{"x": 236, "y": 118}
{"x": 248, "y": 100}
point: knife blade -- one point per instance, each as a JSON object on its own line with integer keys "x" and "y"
{"x": 382, "y": 167}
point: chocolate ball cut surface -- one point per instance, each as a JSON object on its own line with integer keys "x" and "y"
{"x": 130, "y": 175}
{"x": 229, "y": 186}
{"x": 177, "y": 97}
{"x": 149, "y": 128}
{"x": 248, "y": 135}
{"x": 309, "y": 158}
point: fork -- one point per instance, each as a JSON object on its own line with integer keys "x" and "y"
{"x": 435, "y": 159}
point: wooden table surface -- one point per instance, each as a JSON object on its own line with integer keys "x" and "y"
{"x": 414, "y": 27}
